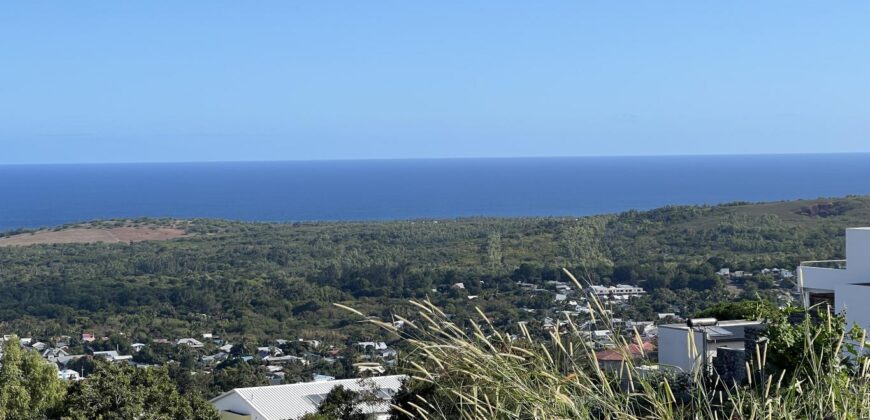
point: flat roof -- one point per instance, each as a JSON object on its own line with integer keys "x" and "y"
{"x": 730, "y": 323}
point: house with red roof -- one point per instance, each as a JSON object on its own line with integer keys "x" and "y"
{"x": 612, "y": 359}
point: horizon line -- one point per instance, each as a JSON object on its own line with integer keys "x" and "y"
{"x": 387, "y": 159}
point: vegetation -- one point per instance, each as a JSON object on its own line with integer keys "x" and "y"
{"x": 123, "y": 392}
{"x": 30, "y": 389}
{"x": 483, "y": 373}
{"x": 258, "y": 281}
{"x": 345, "y": 404}
{"x": 251, "y": 283}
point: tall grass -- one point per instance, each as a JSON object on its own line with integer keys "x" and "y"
{"x": 480, "y": 372}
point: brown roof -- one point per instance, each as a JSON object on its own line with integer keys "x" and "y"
{"x": 633, "y": 349}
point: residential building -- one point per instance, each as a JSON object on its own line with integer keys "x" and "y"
{"x": 843, "y": 284}
{"x": 64, "y": 360}
{"x": 295, "y": 400}
{"x": 53, "y": 354}
{"x": 68, "y": 375}
{"x": 371, "y": 345}
{"x": 620, "y": 291}
{"x": 369, "y": 369}
{"x": 285, "y": 360}
{"x": 612, "y": 359}
{"x": 683, "y": 347}
{"x": 263, "y": 352}
{"x": 112, "y": 356}
{"x": 190, "y": 342}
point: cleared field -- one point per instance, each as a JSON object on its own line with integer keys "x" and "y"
{"x": 93, "y": 234}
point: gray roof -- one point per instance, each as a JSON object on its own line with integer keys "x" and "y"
{"x": 295, "y": 400}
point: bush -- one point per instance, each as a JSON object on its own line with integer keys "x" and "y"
{"x": 480, "y": 372}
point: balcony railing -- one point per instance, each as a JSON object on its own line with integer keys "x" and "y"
{"x": 832, "y": 264}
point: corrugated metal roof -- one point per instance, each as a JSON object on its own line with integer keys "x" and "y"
{"x": 295, "y": 400}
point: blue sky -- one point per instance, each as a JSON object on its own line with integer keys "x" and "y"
{"x": 286, "y": 80}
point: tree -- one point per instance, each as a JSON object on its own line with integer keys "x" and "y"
{"x": 746, "y": 309}
{"x": 29, "y": 387}
{"x": 83, "y": 365}
{"x": 806, "y": 342}
{"x": 345, "y": 404}
{"x": 124, "y": 392}
{"x": 414, "y": 394}
{"x": 236, "y": 373}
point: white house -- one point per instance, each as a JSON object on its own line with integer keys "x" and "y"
{"x": 620, "y": 291}
{"x": 190, "y": 342}
{"x": 683, "y": 347}
{"x": 112, "y": 356}
{"x": 845, "y": 284}
{"x": 371, "y": 345}
{"x": 292, "y": 401}
{"x": 285, "y": 359}
{"x": 68, "y": 375}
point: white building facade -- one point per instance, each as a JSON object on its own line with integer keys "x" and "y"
{"x": 620, "y": 291}
{"x": 682, "y": 347}
{"x": 844, "y": 284}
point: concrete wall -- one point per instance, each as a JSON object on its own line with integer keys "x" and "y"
{"x": 820, "y": 278}
{"x": 676, "y": 348}
{"x": 858, "y": 251}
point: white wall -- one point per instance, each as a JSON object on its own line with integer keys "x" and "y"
{"x": 675, "y": 347}
{"x": 858, "y": 252}
{"x": 848, "y": 296}
{"x": 236, "y": 404}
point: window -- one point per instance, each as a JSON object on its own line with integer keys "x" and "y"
{"x": 821, "y": 299}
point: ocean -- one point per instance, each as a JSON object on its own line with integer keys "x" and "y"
{"x": 48, "y": 195}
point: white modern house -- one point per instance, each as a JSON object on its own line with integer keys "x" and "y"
{"x": 683, "y": 347}
{"x": 844, "y": 284}
{"x": 292, "y": 401}
{"x": 620, "y": 291}
{"x": 68, "y": 375}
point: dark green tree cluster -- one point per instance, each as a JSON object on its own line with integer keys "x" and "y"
{"x": 30, "y": 389}
{"x": 262, "y": 281}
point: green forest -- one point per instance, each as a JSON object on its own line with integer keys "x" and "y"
{"x": 262, "y": 281}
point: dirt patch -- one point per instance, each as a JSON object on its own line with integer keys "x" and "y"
{"x": 90, "y": 235}
{"x": 836, "y": 208}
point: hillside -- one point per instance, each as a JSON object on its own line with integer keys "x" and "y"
{"x": 263, "y": 280}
